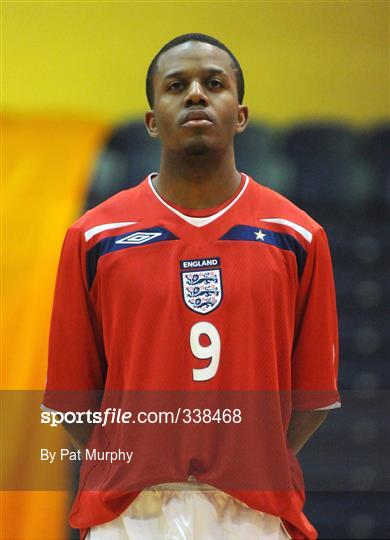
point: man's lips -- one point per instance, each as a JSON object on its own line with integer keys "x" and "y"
{"x": 197, "y": 118}
{"x": 198, "y": 123}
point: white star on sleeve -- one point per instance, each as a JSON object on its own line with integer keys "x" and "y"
{"x": 260, "y": 235}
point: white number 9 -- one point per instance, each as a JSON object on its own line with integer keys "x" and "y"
{"x": 213, "y": 350}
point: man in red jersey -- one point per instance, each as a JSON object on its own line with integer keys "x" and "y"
{"x": 208, "y": 297}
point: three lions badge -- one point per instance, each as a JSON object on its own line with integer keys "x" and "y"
{"x": 201, "y": 281}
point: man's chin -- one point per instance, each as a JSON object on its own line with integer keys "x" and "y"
{"x": 197, "y": 149}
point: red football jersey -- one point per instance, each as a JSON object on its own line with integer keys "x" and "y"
{"x": 158, "y": 309}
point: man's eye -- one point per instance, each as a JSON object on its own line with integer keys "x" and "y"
{"x": 175, "y": 86}
{"x": 215, "y": 83}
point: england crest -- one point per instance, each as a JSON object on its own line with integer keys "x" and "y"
{"x": 201, "y": 282}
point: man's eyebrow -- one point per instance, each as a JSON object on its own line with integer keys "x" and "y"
{"x": 181, "y": 73}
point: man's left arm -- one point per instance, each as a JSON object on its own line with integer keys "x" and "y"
{"x": 314, "y": 361}
{"x": 302, "y": 426}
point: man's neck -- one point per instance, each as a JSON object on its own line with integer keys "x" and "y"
{"x": 197, "y": 182}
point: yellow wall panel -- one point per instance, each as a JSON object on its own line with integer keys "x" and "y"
{"x": 302, "y": 59}
{"x": 46, "y": 165}
{"x": 37, "y": 515}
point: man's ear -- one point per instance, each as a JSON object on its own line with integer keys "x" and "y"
{"x": 242, "y": 118}
{"x": 151, "y": 126}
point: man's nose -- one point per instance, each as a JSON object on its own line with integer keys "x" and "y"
{"x": 196, "y": 93}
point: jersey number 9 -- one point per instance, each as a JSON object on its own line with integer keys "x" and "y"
{"x": 211, "y": 351}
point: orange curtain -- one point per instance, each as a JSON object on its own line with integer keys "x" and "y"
{"x": 46, "y": 164}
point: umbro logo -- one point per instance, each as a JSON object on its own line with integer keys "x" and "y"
{"x": 139, "y": 237}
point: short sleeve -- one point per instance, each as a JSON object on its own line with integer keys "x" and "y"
{"x": 76, "y": 365}
{"x": 315, "y": 350}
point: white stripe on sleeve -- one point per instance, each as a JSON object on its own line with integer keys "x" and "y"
{"x": 335, "y": 405}
{"x": 301, "y": 230}
{"x": 90, "y": 233}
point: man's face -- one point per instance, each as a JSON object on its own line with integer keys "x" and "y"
{"x": 196, "y": 109}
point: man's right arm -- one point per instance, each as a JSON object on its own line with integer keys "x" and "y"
{"x": 79, "y": 434}
{"x": 77, "y": 365}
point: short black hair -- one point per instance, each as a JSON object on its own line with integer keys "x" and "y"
{"x": 183, "y": 39}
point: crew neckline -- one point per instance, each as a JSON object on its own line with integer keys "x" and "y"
{"x": 202, "y": 217}
{"x": 205, "y": 212}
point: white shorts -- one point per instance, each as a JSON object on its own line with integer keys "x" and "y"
{"x": 189, "y": 511}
